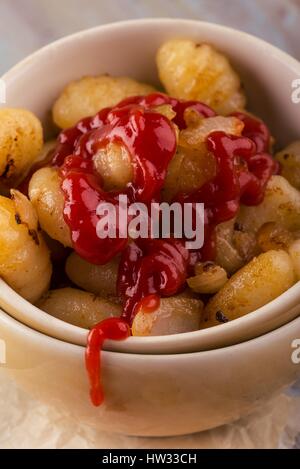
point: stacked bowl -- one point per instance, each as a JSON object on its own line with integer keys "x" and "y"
{"x": 176, "y": 384}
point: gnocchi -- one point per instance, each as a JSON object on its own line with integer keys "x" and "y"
{"x": 47, "y": 197}
{"x": 251, "y": 287}
{"x": 98, "y": 279}
{"x": 289, "y": 158}
{"x": 193, "y": 165}
{"x": 87, "y": 96}
{"x": 21, "y": 141}
{"x": 281, "y": 204}
{"x": 77, "y": 307}
{"x": 24, "y": 257}
{"x": 197, "y": 71}
{"x": 113, "y": 163}
{"x": 209, "y": 278}
{"x": 174, "y": 315}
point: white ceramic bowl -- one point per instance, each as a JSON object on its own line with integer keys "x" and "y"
{"x": 129, "y": 48}
{"x": 151, "y": 395}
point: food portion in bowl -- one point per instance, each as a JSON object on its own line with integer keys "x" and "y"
{"x": 192, "y": 142}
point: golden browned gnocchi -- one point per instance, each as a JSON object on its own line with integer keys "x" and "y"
{"x": 281, "y": 204}
{"x": 21, "y": 140}
{"x": 193, "y": 164}
{"x": 174, "y": 315}
{"x": 47, "y": 197}
{"x": 294, "y": 252}
{"x": 256, "y": 284}
{"x": 77, "y": 307}
{"x": 209, "y": 278}
{"x": 113, "y": 163}
{"x": 189, "y": 70}
{"x": 24, "y": 257}
{"x": 87, "y": 96}
{"x": 289, "y": 158}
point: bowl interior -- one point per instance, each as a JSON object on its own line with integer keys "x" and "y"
{"x": 129, "y": 49}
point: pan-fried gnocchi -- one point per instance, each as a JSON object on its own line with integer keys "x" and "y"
{"x": 47, "y": 197}
{"x": 189, "y": 70}
{"x": 87, "y": 96}
{"x": 21, "y": 140}
{"x": 193, "y": 165}
{"x": 77, "y": 307}
{"x": 159, "y": 146}
{"x": 113, "y": 163}
{"x": 289, "y": 158}
{"x": 256, "y": 284}
{"x": 24, "y": 257}
{"x": 174, "y": 315}
{"x": 98, "y": 279}
{"x": 281, "y": 204}
{"x": 209, "y": 278}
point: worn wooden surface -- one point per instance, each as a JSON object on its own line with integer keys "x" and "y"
{"x": 26, "y": 25}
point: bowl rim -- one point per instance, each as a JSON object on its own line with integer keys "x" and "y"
{"x": 74, "y": 334}
{"x": 33, "y": 317}
{"x": 54, "y": 342}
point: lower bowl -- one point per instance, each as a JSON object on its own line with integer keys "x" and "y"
{"x": 154, "y": 395}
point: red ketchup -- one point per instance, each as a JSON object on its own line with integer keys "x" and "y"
{"x": 113, "y": 329}
{"x": 151, "y": 268}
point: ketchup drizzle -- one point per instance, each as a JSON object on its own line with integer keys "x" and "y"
{"x": 113, "y": 329}
{"x": 152, "y": 268}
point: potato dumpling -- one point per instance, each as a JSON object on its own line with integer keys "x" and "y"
{"x": 198, "y": 72}
{"x": 196, "y": 135}
{"x": 175, "y": 315}
{"x": 289, "y": 158}
{"x": 281, "y": 204}
{"x": 87, "y": 96}
{"x": 227, "y": 255}
{"x": 209, "y": 278}
{"x": 188, "y": 170}
{"x": 271, "y": 235}
{"x": 113, "y": 163}
{"x": 294, "y": 252}
{"x": 47, "y": 197}
{"x": 98, "y": 279}
{"x": 193, "y": 165}
{"x": 256, "y": 284}
{"x": 24, "y": 257}
{"x": 78, "y": 307}
{"x": 21, "y": 140}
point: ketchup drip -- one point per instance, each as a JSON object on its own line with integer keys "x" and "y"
{"x": 112, "y": 329}
{"x": 151, "y": 268}
{"x": 256, "y": 130}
